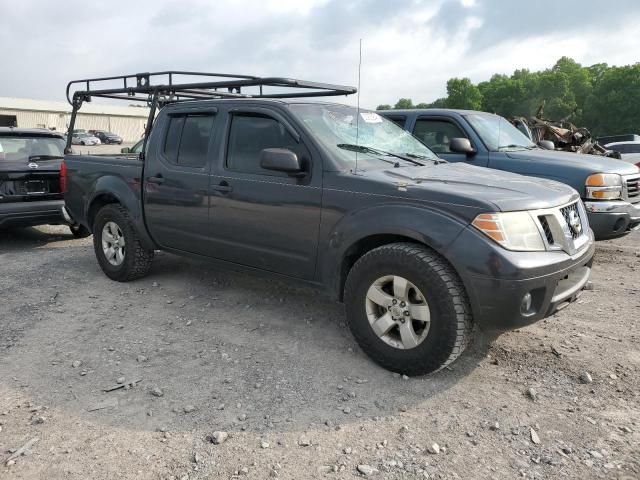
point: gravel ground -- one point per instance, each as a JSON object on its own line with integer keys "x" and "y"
{"x": 191, "y": 350}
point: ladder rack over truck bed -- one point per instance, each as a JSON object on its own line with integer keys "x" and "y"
{"x": 160, "y": 88}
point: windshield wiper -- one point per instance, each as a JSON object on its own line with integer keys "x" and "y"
{"x": 437, "y": 160}
{"x": 45, "y": 157}
{"x": 364, "y": 149}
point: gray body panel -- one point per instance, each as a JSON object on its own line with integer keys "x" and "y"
{"x": 304, "y": 228}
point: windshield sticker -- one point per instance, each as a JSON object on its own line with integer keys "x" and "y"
{"x": 371, "y": 117}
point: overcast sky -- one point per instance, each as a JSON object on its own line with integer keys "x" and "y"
{"x": 410, "y": 47}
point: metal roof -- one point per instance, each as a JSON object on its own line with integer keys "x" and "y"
{"x": 29, "y": 104}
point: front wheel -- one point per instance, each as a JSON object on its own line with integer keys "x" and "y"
{"x": 407, "y": 308}
{"x": 117, "y": 245}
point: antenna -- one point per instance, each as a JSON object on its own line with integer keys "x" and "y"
{"x": 358, "y": 105}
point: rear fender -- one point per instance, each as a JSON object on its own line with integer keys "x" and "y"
{"x": 113, "y": 189}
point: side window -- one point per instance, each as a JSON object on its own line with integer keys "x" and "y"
{"x": 172, "y": 140}
{"x": 195, "y": 140}
{"x": 437, "y": 134}
{"x": 249, "y": 135}
{"x": 187, "y": 139}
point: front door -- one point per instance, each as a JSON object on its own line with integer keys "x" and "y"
{"x": 177, "y": 180}
{"x": 263, "y": 218}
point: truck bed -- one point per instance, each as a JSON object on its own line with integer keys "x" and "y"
{"x": 90, "y": 176}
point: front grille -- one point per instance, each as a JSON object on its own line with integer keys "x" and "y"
{"x": 564, "y": 228}
{"x": 566, "y": 213}
{"x": 633, "y": 187}
{"x": 547, "y": 229}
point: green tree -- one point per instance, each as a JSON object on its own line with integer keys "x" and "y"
{"x": 602, "y": 98}
{"x": 613, "y": 106}
{"x": 403, "y": 104}
{"x": 461, "y": 93}
{"x": 384, "y": 106}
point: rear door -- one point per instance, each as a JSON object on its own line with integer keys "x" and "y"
{"x": 263, "y": 218}
{"x": 437, "y": 132}
{"x": 176, "y": 182}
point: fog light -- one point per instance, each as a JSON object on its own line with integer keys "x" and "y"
{"x": 525, "y": 305}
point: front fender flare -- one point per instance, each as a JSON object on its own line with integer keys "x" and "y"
{"x": 432, "y": 228}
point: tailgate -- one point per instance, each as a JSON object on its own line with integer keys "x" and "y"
{"x": 21, "y": 185}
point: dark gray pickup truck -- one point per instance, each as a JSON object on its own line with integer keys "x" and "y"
{"x": 610, "y": 188}
{"x": 343, "y": 200}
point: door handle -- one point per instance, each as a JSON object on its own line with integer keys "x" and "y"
{"x": 157, "y": 179}
{"x": 223, "y": 187}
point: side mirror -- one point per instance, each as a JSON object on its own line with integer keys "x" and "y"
{"x": 125, "y": 150}
{"x": 547, "y": 144}
{"x": 281, "y": 160}
{"x": 461, "y": 145}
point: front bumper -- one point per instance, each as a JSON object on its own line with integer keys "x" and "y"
{"x": 30, "y": 214}
{"x": 497, "y": 280}
{"x": 613, "y": 219}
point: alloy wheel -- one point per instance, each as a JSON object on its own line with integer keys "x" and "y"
{"x": 398, "y": 312}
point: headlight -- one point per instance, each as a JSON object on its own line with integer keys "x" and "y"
{"x": 512, "y": 230}
{"x": 604, "y": 186}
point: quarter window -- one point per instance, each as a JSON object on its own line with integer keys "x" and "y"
{"x": 249, "y": 135}
{"x": 437, "y": 134}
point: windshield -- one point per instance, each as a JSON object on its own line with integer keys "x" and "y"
{"x": 21, "y": 149}
{"x": 335, "y": 126}
{"x": 497, "y": 133}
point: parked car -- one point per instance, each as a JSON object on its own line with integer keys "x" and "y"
{"x": 106, "y": 137}
{"x": 30, "y": 190}
{"x": 629, "y": 151}
{"x": 84, "y": 139}
{"x": 419, "y": 249}
{"x": 610, "y": 188}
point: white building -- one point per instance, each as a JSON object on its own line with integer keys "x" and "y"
{"x": 126, "y": 121}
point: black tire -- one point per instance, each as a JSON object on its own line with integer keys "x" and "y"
{"x": 137, "y": 260}
{"x": 79, "y": 231}
{"x": 451, "y": 325}
{"x": 82, "y": 143}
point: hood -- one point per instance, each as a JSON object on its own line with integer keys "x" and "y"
{"x": 480, "y": 187}
{"x": 592, "y": 163}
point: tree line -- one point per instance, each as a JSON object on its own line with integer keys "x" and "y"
{"x": 605, "y": 99}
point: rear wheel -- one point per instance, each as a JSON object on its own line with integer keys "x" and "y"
{"x": 117, "y": 245}
{"x": 407, "y": 308}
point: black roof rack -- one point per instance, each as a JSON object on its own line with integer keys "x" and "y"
{"x": 160, "y": 88}
{"x": 171, "y": 86}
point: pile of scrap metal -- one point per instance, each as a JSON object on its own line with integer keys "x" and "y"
{"x": 564, "y": 135}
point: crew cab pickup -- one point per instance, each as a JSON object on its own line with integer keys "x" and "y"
{"x": 610, "y": 188}
{"x": 343, "y": 200}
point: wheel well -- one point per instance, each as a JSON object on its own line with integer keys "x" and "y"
{"x": 362, "y": 246}
{"x": 97, "y": 203}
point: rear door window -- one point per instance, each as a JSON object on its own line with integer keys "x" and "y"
{"x": 187, "y": 139}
